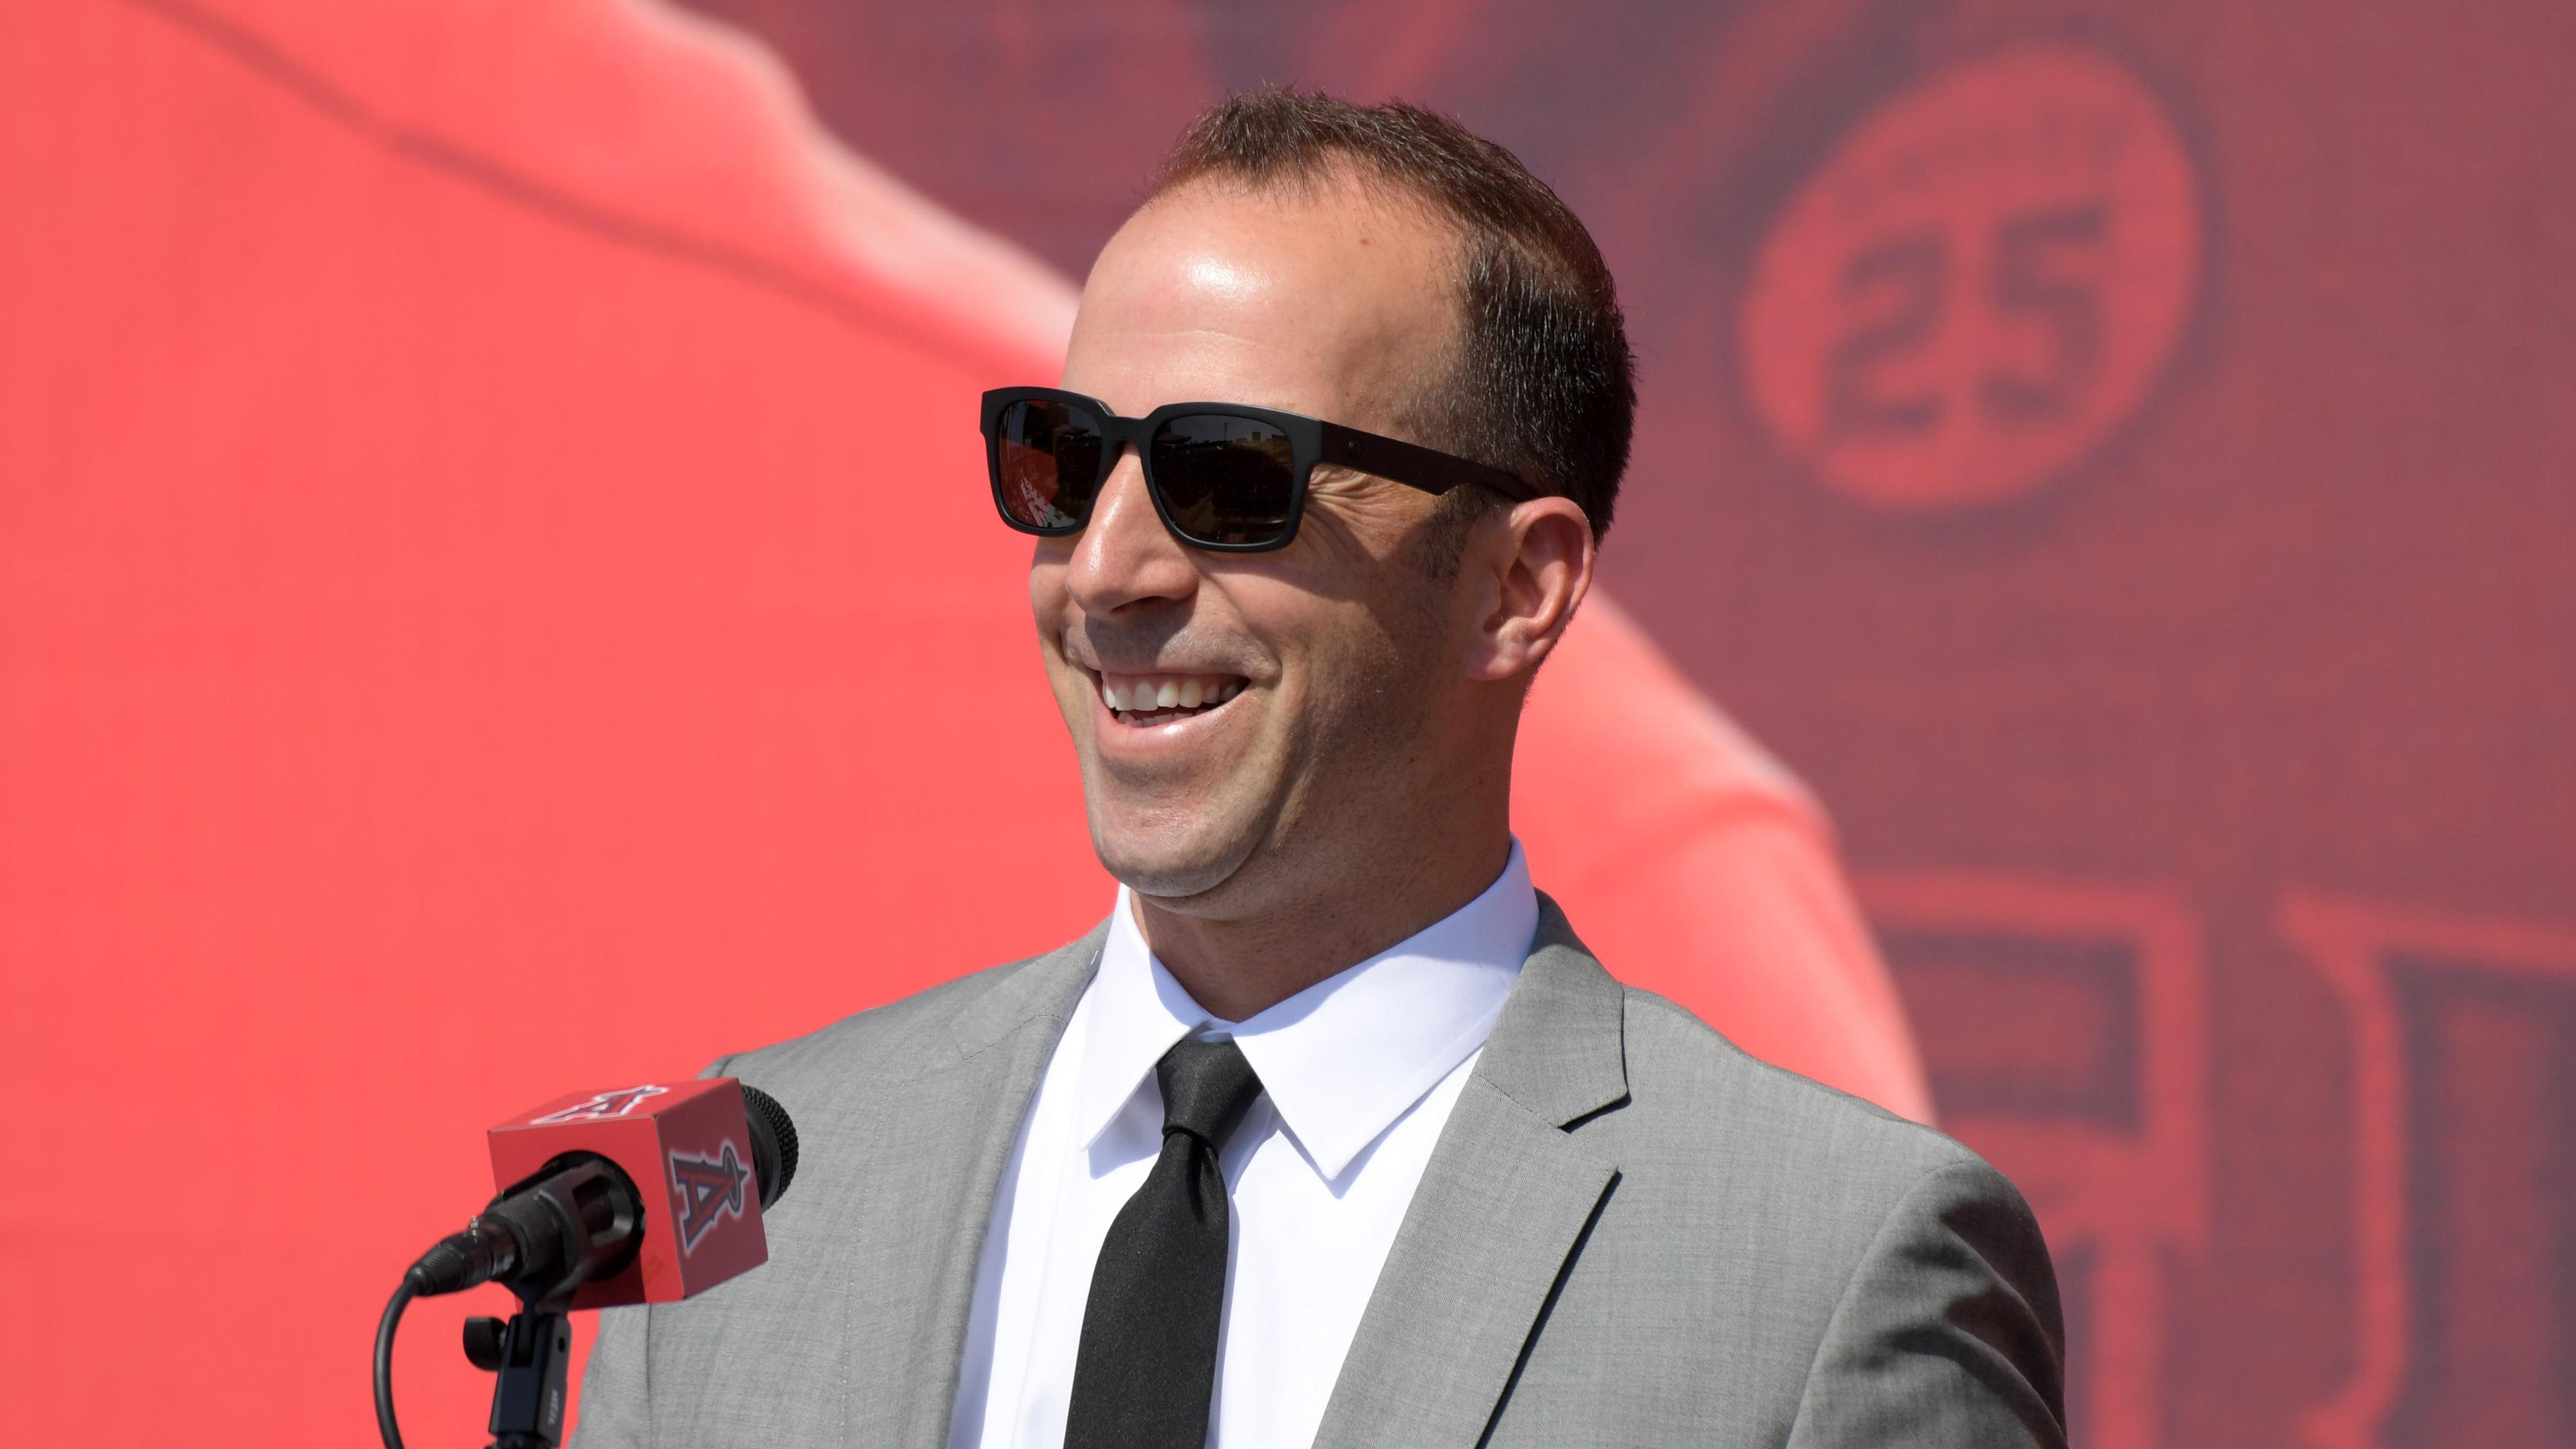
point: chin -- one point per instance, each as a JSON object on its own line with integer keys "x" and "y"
{"x": 1167, "y": 859}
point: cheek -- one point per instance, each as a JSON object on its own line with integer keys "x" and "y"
{"x": 1046, "y": 582}
{"x": 1395, "y": 656}
{"x": 1340, "y": 661}
{"x": 1357, "y": 645}
{"x": 1046, "y": 568}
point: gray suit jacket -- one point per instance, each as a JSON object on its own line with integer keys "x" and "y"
{"x": 1630, "y": 1233}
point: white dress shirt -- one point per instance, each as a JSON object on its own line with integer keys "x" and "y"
{"x": 1358, "y": 1073}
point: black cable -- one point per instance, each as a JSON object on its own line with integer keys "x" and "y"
{"x": 385, "y": 1327}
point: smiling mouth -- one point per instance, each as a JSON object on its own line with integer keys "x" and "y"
{"x": 1146, "y": 700}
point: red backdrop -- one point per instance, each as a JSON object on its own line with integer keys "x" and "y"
{"x": 497, "y": 594}
{"x": 2116, "y": 452}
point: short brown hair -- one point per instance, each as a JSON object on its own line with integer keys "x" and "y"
{"x": 1546, "y": 388}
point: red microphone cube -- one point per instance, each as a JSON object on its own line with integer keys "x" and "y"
{"x": 687, "y": 1145}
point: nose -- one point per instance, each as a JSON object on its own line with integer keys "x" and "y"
{"x": 1124, "y": 556}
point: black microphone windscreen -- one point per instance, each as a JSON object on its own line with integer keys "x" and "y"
{"x": 773, "y": 1144}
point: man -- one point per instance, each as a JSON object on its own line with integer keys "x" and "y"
{"x": 1332, "y": 1133}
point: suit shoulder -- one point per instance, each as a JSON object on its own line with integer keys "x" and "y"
{"x": 893, "y": 1038}
{"x": 1685, "y": 1076}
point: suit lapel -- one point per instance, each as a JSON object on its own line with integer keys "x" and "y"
{"x": 956, "y": 1122}
{"x": 1502, "y": 1208}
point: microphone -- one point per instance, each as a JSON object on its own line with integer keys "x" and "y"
{"x": 572, "y": 1223}
{"x": 643, "y": 1194}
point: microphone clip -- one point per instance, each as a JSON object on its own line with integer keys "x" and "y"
{"x": 532, "y": 1354}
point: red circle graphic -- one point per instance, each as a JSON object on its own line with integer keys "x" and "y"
{"x": 1983, "y": 281}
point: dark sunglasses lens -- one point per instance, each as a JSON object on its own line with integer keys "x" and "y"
{"x": 1046, "y": 459}
{"x": 1225, "y": 479}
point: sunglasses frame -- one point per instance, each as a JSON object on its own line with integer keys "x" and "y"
{"x": 1310, "y": 441}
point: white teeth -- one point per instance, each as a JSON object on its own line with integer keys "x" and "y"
{"x": 1138, "y": 694}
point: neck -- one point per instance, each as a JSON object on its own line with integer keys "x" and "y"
{"x": 1238, "y": 966}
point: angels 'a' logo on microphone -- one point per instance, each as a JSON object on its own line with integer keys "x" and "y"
{"x": 606, "y": 1104}
{"x": 709, "y": 1189}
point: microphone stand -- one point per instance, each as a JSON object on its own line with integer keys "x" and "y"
{"x": 532, "y": 1354}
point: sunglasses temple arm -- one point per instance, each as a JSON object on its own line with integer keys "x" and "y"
{"x": 1415, "y": 466}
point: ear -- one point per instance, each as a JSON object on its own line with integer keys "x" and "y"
{"x": 1531, "y": 565}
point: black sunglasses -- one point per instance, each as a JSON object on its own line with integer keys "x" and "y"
{"x": 1222, "y": 476}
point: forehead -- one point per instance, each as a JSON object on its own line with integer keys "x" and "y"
{"x": 1326, "y": 300}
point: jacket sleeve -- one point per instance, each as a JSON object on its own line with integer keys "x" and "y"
{"x": 610, "y": 1409}
{"x": 1949, "y": 1332}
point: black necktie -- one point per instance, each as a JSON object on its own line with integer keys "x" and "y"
{"x": 1146, "y": 1368}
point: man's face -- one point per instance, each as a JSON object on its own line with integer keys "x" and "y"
{"x": 1312, "y": 682}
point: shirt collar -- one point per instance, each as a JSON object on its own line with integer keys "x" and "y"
{"x": 1342, "y": 1059}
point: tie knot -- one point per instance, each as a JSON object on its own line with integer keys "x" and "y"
{"x": 1207, "y": 1087}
